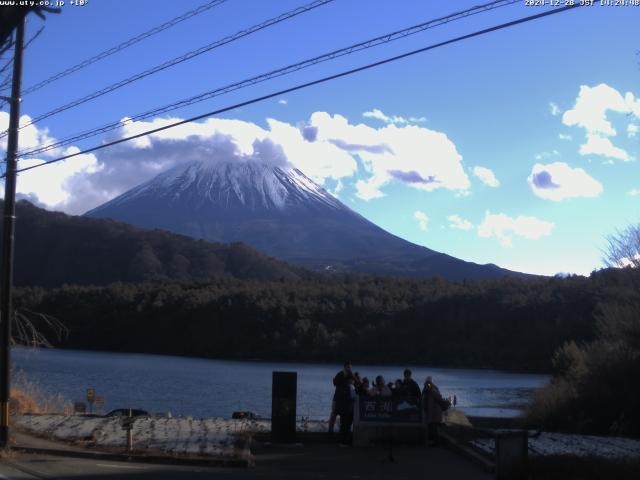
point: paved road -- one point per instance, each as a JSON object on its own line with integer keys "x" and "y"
{"x": 301, "y": 462}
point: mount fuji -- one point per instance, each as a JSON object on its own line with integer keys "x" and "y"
{"x": 282, "y": 213}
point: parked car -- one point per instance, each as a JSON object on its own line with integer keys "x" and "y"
{"x": 244, "y": 415}
{"x": 124, "y": 412}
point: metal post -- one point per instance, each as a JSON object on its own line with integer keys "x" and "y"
{"x": 6, "y": 276}
{"x": 130, "y": 433}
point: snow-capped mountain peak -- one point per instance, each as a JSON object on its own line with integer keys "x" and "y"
{"x": 281, "y": 212}
{"x": 236, "y": 184}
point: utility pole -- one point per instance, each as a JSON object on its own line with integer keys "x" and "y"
{"x": 9, "y": 221}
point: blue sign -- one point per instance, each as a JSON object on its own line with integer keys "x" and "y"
{"x": 389, "y": 410}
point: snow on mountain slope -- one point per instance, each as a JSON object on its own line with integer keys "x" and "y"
{"x": 244, "y": 185}
{"x": 280, "y": 212}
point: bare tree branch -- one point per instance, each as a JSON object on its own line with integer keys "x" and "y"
{"x": 623, "y": 249}
{"x": 28, "y": 328}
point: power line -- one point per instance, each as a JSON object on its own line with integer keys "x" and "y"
{"x": 10, "y": 62}
{"x": 309, "y": 84}
{"x": 277, "y": 73}
{"x": 128, "y": 43}
{"x": 7, "y": 81}
{"x": 178, "y": 60}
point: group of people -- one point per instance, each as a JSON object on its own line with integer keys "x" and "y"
{"x": 348, "y": 385}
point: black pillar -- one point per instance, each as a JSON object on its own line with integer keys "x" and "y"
{"x": 283, "y": 406}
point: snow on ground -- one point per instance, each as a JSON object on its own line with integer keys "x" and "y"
{"x": 576, "y": 445}
{"x": 181, "y": 435}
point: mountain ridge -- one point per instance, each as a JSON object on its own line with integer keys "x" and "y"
{"x": 53, "y": 248}
{"x": 282, "y": 213}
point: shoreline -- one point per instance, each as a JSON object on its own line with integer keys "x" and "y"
{"x": 337, "y": 364}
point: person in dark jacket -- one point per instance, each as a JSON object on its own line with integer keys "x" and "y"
{"x": 410, "y": 388}
{"x": 434, "y": 405}
{"x": 345, "y": 399}
{"x": 340, "y": 382}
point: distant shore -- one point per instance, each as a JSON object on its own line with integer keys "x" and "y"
{"x": 338, "y": 362}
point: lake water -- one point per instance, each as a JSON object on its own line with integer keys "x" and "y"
{"x": 216, "y": 388}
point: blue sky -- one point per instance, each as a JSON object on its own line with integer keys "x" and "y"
{"x": 548, "y": 110}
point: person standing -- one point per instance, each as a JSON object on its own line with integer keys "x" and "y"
{"x": 379, "y": 389}
{"x": 433, "y": 407}
{"x": 410, "y": 389}
{"x": 364, "y": 387}
{"x": 345, "y": 402}
{"x": 340, "y": 382}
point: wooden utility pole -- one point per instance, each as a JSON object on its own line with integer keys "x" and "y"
{"x": 9, "y": 220}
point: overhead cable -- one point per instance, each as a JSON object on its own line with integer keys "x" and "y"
{"x": 383, "y": 39}
{"x": 177, "y": 60}
{"x": 308, "y": 84}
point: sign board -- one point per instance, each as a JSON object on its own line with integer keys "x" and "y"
{"x": 388, "y": 410}
{"x": 91, "y": 395}
{"x": 79, "y": 407}
{"x": 99, "y": 400}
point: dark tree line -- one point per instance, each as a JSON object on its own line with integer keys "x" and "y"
{"x": 508, "y": 323}
{"x": 53, "y": 249}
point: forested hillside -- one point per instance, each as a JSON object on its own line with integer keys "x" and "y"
{"x": 509, "y": 323}
{"x": 53, "y": 249}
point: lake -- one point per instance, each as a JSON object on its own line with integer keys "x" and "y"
{"x": 215, "y": 388}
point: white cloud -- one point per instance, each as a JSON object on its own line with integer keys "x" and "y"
{"x": 590, "y": 112}
{"x": 597, "y": 145}
{"x": 319, "y": 160}
{"x": 423, "y": 220}
{"x": 283, "y": 101}
{"x": 634, "y": 193}
{"x": 368, "y": 190}
{"x": 486, "y": 176}
{"x": 557, "y": 181}
{"x": 563, "y": 136}
{"x": 325, "y": 147}
{"x": 30, "y": 136}
{"x": 379, "y": 115}
{"x": 591, "y": 107}
{"x": 417, "y": 119}
{"x": 459, "y": 223}
{"x": 419, "y": 157}
{"x": 504, "y": 228}
{"x": 554, "y": 109}
{"x": 632, "y": 130}
{"x": 51, "y": 186}
{"x": 47, "y": 186}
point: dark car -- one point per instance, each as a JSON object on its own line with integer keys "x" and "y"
{"x": 124, "y": 412}
{"x": 244, "y": 416}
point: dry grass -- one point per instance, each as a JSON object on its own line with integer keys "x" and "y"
{"x": 27, "y": 397}
{"x": 8, "y": 454}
